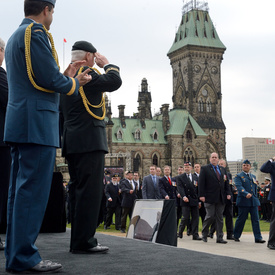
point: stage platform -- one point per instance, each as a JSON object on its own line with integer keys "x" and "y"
{"x": 127, "y": 256}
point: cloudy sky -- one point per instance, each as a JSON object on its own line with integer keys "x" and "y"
{"x": 136, "y": 35}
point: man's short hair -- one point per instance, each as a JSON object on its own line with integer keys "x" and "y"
{"x": 78, "y": 55}
{"x": 2, "y": 44}
{"x": 32, "y": 7}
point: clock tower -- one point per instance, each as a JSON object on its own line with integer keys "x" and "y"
{"x": 195, "y": 56}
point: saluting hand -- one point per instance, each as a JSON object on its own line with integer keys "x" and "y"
{"x": 101, "y": 60}
{"x": 73, "y": 68}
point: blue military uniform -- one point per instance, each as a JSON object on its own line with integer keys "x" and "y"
{"x": 32, "y": 130}
{"x": 246, "y": 183}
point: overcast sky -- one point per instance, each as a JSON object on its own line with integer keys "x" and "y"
{"x": 136, "y": 36}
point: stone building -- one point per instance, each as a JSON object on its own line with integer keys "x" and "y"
{"x": 193, "y": 127}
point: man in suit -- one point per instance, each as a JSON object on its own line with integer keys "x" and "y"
{"x": 213, "y": 192}
{"x": 139, "y": 185}
{"x": 5, "y": 158}
{"x": 113, "y": 203}
{"x": 128, "y": 193}
{"x": 187, "y": 185}
{"x": 265, "y": 202}
{"x": 247, "y": 202}
{"x": 150, "y": 185}
{"x": 85, "y": 146}
{"x": 269, "y": 167}
{"x": 32, "y": 130}
{"x": 166, "y": 186}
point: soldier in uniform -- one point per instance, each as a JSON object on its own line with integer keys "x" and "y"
{"x": 85, "y": 146}
{"x": 247, "y": 202}
{"x": 267, "y": 208}
{"x": 32, "y": 130}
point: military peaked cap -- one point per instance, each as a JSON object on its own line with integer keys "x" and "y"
{"x": 246, "y": 161}
{"x": 84, "y": 46}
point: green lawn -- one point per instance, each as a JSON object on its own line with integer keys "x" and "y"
{"x": 247, "y": 228}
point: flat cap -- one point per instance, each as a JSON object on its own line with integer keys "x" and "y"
{"x": 49, "y": 1}
{"x": 84, "y": 46}
{"x": 246, "y": 161}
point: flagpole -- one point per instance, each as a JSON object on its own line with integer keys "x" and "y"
{"x": 64, "y": 54}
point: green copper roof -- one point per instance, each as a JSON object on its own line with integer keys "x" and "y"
{"x": 197, "y": 29}
{"x": 133, "y": 125}
{"x": 178, "y": 118}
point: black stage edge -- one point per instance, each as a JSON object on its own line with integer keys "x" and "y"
{"x": 128, "y": 256}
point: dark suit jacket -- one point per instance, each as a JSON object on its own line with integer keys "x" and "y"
{"x": 82, "y": 132}
{"x": 149, "y": 191}
{"x": 188, "y": 189}
{"x": 3, "y": 102}
{"x": 269, "y": 167}
{"x": 167, "y": 189}
{"x": 127, "y": 198}
{"x": 111, "y": 191}
{"x": 210, "y": 187}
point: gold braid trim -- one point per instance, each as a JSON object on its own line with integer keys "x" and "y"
{"x": 30, "y": 72}
{"x": 87, "y": 103}
{"x": 112, "y": 69}
{"x": 73, "y": 87}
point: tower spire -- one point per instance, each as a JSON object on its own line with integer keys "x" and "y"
{"x": 194, "y": 5}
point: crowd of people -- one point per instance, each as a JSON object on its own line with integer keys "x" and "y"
{"x": 206, "y": 192}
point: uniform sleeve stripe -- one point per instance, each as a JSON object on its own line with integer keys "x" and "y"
{"x": 73, "y": 87}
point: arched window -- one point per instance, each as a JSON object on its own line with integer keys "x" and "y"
{"x": 155, "y": 136}
{"x": 137, "y": 162}
{"x": 200, "y": 106}
{"x": 155, "y": 160}
{"x": 208, "y": 106}
{"x": 188, "y": 135}
{"x": 137, "y": 134}
{"x": 189, "y": 156}
{"x": 119, "y": 135}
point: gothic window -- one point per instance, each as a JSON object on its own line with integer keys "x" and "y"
{"x": 214, "y": 36}
{"x": 137, "y": 162}
{"x": 196, "y": 33}
{"x": 119, "y": 135}
{"x": 137, "y": 135}
{"x": 155, "y": 159}
{"x": 208, "y": 106}
{"x": 200, "y": 106}
{"x": 188, "y": 135}
{"x": 205, "y": 35}
{"x": 198, "y": 19}
{"x": 189, "y": 156}
{"x": 155, "y": 136}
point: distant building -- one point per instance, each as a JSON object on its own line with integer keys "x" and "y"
{"x": 235, "y": 167}
{"x": 193, "y": 127}
{"x": 258, "y": 151}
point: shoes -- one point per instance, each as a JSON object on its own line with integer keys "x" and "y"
{"x": 260, "y": 241}
{"x": 271, "y": 246}
{"x": 204, "y": 239}
{"x": 43, "y": 267}
{"x": 236, "y": 239}
{"x": 188, "y": 233}
{"x": 107, "y": 227}
{"x": 210, "y": 235}
{"x": 230, "y": 238}
{"x": 122, "y": 230}
{"x": 197, "y": 238}
{"x": 99, "y": 249}
{"x": 179, "y": 235}
{"x": 221, "y": 241}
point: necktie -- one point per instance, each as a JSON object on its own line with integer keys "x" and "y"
{"x": 217, "y": 172}
{"x": 154, "y": 180}
{"x": 190, "y": 177}
{"x": 169, "y": 180}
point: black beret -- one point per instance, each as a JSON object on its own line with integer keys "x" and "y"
{"x": 49, "y": 1}
{"x": 246, "y": 161}
{"x": 84, "y": 46}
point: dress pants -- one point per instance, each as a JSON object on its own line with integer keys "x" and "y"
{"x": 213, "y": 212}
{"x": 86, "y": 190}
{"x": 271, "y": 239}
{"x": 242, "y": 217}
{"x": 110, "y": 213}
{"x": 125, "y": 212}
{"x": 30, "y": 185}
{"x": 186, "y": 219}
{"x": 5, "y": 163}
{"x": 228, "y": 213}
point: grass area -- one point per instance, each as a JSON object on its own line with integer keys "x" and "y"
{"x": 247, "y": 228}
